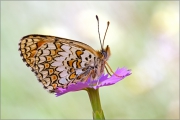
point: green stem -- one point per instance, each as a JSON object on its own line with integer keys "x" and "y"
{"x": 96, "y": 104}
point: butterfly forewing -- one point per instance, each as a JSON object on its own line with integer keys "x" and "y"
{"x": 57, "y": 62}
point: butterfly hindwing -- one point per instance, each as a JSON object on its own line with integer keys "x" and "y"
{"x": 57, "y": 62}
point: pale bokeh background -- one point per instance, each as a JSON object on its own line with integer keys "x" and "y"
{"x": 143, "y": 36}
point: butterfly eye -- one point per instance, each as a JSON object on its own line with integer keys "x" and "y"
{"x": 104, "y": 53}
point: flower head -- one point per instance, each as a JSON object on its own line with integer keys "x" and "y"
{"x": 104, "y": 80}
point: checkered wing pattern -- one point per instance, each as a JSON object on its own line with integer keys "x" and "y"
{"x": 57, "y": 62}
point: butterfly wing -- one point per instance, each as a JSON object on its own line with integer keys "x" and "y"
{"x": 57, "y": 62}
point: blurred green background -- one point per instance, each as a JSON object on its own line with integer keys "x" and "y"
{"x": 143, "y": 36}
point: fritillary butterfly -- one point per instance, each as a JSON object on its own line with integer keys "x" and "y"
{"x": 59, "y": 62}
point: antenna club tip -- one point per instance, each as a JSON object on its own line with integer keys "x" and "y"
{"x": 97, "y": 17}
{"x": 108, "y": 22}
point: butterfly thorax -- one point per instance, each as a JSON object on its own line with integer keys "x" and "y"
{"x": 103, "y": 56}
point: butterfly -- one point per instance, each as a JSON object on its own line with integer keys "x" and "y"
{"x": 59, "y": 62}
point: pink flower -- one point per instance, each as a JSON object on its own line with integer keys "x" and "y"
{"x": 103, "y": 81}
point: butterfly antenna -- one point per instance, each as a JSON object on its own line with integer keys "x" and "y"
{"x": 106, "y": 31}
{"x": 99, "y": 32}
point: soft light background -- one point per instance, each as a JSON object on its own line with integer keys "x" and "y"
{"x": 143, "y": 36}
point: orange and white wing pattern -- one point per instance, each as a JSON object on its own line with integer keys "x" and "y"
{"x": 58, "y": 62}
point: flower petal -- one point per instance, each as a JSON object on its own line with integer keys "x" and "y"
{"x": 122, "y": 72}
{"x": 73, "y": 87}
{"x": 103, "y": 81}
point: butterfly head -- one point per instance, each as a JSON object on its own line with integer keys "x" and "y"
{"x": 106, "y": 53}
